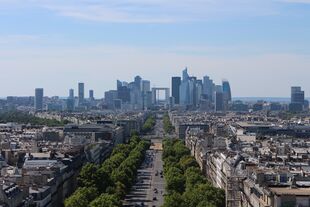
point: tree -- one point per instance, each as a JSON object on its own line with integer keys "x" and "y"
{"x": 187, "y": 162}
{"x": 193, "y": 178}
{"x": 180, "y": 150}
{"x": 204, "y": 192}
{"x": 81, "y": 197}
{"x": 205, "y": 204}
{"x": 120, "y": 190}
{"x": 88, "y": 175}
{"x": 175, "y": 181}
{"x": 174, "y": 200}
{"x": 106, "y": 200}
{"x": 121, "y": 148}
{"x": 148, "y": 124}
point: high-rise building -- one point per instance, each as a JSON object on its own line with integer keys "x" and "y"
{"x": 118, "y": 84}
{"x": 192, "y": 91}
{"x": 71, "y": 101}
{"x": 226, "y": 90}
{"x": 208, "y": 88}
{"x": 138, "y": 82}
{"x": 176, "y": 82}
{"x": 71, "y": 93}
{"x": 199, "y": 91}
{"x": 38, "y": 101}
{"x": 146, "y": 86}
{"x": 297, "y": 99}
{"x": 219, "y": 98}
{"x": 81, "y": 93}
{"x": 91, "y": 94}
{"x": 226, "y": 94}
{"x": 185, "y": 89}
{"x": 110, "y": 97}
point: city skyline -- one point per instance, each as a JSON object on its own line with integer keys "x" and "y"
{"x": 248, "y": 43}
{"x": 88, "y": 89}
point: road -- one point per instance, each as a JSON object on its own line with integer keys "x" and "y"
{"x": 149, "y": 188}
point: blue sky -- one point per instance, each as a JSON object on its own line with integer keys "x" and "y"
{"x": 261, "y": 46}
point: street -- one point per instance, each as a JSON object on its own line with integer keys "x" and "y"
{"x": 149, "y": 188}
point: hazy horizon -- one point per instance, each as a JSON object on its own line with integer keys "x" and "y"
{"x": 261, "y": 46}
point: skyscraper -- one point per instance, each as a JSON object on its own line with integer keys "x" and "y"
{"x": 81, "y": 93}
{"x": 138, "y": 82}
{"x": 226, "y": 90}
{"x": 184, "y": 89}
{"x": 208, "y": 88}
{"x": 71, "y": 93}
{"x": 226, "y": 94}
{"x": 219, "y": 98}
{"x": 297, "y": 99}
{"x": 199, "y": 91}
{"x": 192, "y": 91}
{"x": 146, "y": 86}
{"x": 175, "y": 85}
{"x": 91, "y": 94}
{"x": 38, "y": 101}
{"x": 110, "y": 97}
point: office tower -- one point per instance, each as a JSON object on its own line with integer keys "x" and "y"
{"x": 226, "y": 90}
{"x": 192, "y": 91}
{"x": 118, "y": 84}
{"x": 226, "y": 94}
{"x": 219, "y": 98}
{"x": 175, "y": 85}
{"x": 208, "y": 88}
{"x": 199, "y": 91}
{"x": 38, "y": 101}
{"x": 70, "y": 101}
{"x": 91, "y": 94}
{"x": 184, "y": 89}
{"x": 146, "y": 86}
{"x": 185, "y": 75}
{"x": 110, "y": 97}
{"x": 297, "y": 99}
{"x": 71, "y": 94}
{"x": 148, "y": 100}
{"x": 70, "y": 104}
{"x": 123, "y": 93}
{"x": 138, "y": 82}
{"x": 81, "y": 93}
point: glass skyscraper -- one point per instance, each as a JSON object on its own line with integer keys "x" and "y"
{"x": 175, "y": 85}
{"x": 38, "y": 101}
{"x": 81, "y": 93}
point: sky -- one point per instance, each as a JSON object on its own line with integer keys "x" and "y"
{"x": 261, "y": 46}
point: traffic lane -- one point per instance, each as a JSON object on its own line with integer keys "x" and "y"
{"x": 158, "y": 182}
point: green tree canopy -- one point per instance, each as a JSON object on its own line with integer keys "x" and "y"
{"x": 106, "y": 200}
{"x": 81, "y": 197}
